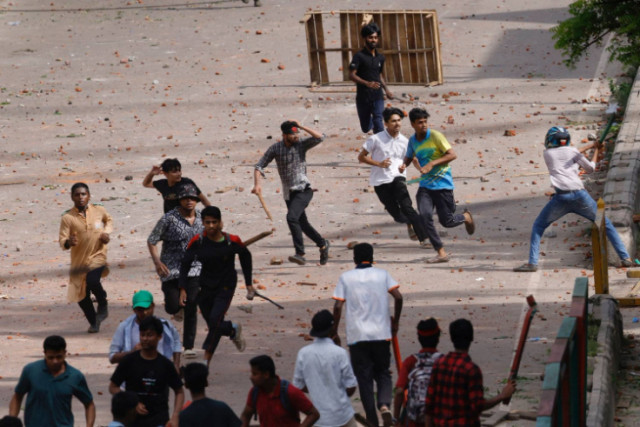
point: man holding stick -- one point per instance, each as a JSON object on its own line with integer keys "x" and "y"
{"x": 290, "y": 156}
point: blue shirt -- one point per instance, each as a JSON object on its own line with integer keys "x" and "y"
{"x": 432, "y": 147}
{"x": 127, "y": 336}
{"x": 49, "y": 397}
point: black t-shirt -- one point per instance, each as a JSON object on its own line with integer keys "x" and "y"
{"x": 150, "y": 380}
{"x": 218, "y": 262}
{"x": 208, "y": 412}
{"x": 170, "y": 194}
{"x": 368, "y": 67}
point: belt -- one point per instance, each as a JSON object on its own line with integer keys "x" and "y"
{"x": 558, "y": 191}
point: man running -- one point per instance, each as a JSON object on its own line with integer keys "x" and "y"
{"x": 291, "y": 157}
{"x": 85, "y": 230}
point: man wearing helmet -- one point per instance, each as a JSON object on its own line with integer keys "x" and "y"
{"x": 564, "y": 162}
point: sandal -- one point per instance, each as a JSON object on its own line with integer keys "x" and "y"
{"x": 471, "y": 225}
{"x": 438, "y": 259}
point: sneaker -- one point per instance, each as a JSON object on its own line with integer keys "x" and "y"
{"x": 629, "y": 263}
{"x": 189, "y": 353}
{"x": 179, "y": 316}
{"x": 324, "y": 253}
{"x": 298, "y": 259}
{"x": 526, "y": 268}
{"x": 412, "y": 232}
{"x": 237, "y": 337}
{"x": 103, "y": 312}
{"x": 426, "y": 245}
{"x": 95, "y": 328}
{"x": 470, "y": 226}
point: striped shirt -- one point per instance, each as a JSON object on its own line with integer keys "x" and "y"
{"x": 291, "y": 162}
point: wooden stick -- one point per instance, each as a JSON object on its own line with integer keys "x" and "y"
{"x": 264, "y": 206}
{"x": 258, "y": 237}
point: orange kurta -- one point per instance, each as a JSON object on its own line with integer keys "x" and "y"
{"x": 90, "y": 253}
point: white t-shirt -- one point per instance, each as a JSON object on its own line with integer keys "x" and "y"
{"x": 564, "y": 167}
{"x": 382, "y": 146}
{"x": 324, "y": 368}
{"x": 366, "y": 295}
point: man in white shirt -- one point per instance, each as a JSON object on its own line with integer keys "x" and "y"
{"x": 385, "y": 152}
{"x": 564, "y": 162}
{"x": 364, "y": 290}
{"x": 323, "y": 370}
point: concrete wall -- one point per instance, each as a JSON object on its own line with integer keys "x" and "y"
{"x": 622, "y": 188}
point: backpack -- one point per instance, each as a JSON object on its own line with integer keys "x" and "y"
{"x": 418, "y": 382}
{"x": 284, "y": 398}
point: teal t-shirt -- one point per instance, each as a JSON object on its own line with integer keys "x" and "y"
{"x": 432, "y": 147}
{"x": 49, "y": 397}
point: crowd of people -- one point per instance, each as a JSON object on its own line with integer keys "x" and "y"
{"x": 196, "y": 267}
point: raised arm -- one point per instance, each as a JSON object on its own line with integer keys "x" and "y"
{"x": 147, "y": 182}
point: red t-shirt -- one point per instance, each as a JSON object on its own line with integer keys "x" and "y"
{"x": 271, "y": 413}
{"x": 403, "y": 377}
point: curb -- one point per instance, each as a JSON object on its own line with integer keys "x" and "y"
{"x": 602, "y": 400}
{"x": 622, "y": 187}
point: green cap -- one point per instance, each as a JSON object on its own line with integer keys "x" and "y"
{"x": 142, "y": 299}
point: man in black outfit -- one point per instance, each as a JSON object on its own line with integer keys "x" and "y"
{"x": 217, "y": 251}
{"x": 366, "y": 70}
{"x": 203, "y": 411}
{"x": 150, "y": 374}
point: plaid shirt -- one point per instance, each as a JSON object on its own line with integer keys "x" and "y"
{"x": 455, "y": 395}
{"x": 291, "y": 162}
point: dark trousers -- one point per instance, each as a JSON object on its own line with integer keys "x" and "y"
{"x": 370, "y": 361}
{"x": 94, "y": 286}
{"x": 171, "y": 292}
{"x": 397, "y": 201}
{"x": 298, "y": 222}
{"x": 214, "y": 304}
{"x": 370, "y": 115}
{"x": 445, "y": 205}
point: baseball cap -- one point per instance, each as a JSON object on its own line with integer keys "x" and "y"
{"x": 188, "y": 191}
{"x": 289, "y": 127}
{"x": 142, "y": 299}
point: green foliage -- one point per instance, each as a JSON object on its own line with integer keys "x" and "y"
{"x": 620, "y": 91}
{"x": 592, "y": 21}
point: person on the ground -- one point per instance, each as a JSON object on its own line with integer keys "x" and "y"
{"x": 564, "y": 162}
{"x": 291, "y": 158}
{"x": 85, "y": 230}
{"x": 385, "y": 152}
{"x": 216, "y": 251}
{"x": 123, "y": 409}
{"x": 456, "y": 392}
{"x": 126, "y": 340}
{"x": 324, "y": 371}
{"x": 150, "y": 375}
{"x": 50, "y": 385}
{"x": 203, "y": 411}
{"x": 175, "y": 229}
{"x": 170, "y": 186}
{"x": 434, "y": 154}
{"x": 365, "y": 292}
{"x": 366, "y": 70}
{"x": 276, "y": 402}
{"x": 413, "y": 378}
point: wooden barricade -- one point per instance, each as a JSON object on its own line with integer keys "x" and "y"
{"x": 410, "y": 43}
{"x": 564, "y": 390}
{"x": 599, "y": 250}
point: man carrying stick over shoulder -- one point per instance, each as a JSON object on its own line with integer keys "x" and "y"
{"x": 290, "y": 155}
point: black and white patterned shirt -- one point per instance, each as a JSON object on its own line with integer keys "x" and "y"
{"x": 175, "y": 233}
{"x": 291, "y": 162}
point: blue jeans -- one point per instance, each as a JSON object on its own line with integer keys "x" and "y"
{"x": 577, "y": 202}
{"x": 370, "y": 115}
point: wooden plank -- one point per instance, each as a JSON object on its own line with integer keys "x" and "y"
{"x": 387, "y": 43}
{"x": 411, "y": 44}
{"x": 436, "y": 42}
{"x": 322, "y": 56}
{"x": 430, "y": 65}
{"x": 312, "y": 45}
{"x": 393, "y": 26}
{"x": 354, "y": 31}
{"x": 420, "y": 44}
{"x": 403, "y": 50}
{"x": 344, "y": 45}
{"x": 628, "y": 302}
{"x": 633, "y": 274}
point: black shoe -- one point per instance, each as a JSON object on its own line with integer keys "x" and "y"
{"x": 95, "y": 328}
{"x": 298, "y": 259}
{"x": 324, "y": 253}
{"x": 103, "y": 312}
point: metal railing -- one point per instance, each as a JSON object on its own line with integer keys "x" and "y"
{"x": 564, "y": 390}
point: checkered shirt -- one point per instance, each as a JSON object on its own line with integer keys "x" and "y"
{"x": 455, "y": 396}
{"x": 291, "y": 162}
